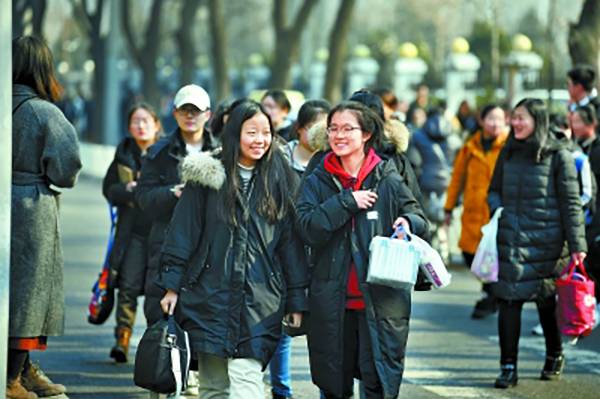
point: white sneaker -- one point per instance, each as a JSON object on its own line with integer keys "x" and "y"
{"x": 538, "y": 330}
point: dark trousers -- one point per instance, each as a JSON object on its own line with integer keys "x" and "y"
{"x": 358, "y": 357}
{"x": 132, "y": 275}
{"x": 509, "y": 328}
{"x": 16, "y": 362}
{"x": 485, "y": 287}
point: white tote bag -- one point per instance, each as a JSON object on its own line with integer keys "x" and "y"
{"x": 393, "y": 263}
{"x": 431, "y": 263}
{"x": 485, "y": 263}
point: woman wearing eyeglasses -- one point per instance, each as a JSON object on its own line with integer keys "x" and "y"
{"x": 128, "y": 257}
{"x": 356, "y": 330}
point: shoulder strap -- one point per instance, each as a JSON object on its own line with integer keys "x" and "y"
{"x": 21, "y": 103}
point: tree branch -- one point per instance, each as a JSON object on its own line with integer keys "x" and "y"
{"x": 303, "y": 15}
{"x": 279, "y": 19}
{"x": 126, "y": 24}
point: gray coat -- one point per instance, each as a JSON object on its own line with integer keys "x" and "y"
{"x": 45, "y": 152}
{"x": 541, "y": 223}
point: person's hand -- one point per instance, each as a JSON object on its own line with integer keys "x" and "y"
{"x": 178, "y": 189}
{"x": 294, "y": 319}
{"x": 131, "y": 185}
{"x": 364, "y": 198}
{"x": 405, "y": 224}
{"x": 447, "y": 217}
{"x": 577, "y": 258}
{"x": 169, "y": 301}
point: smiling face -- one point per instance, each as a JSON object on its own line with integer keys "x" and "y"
{"x": 522, "y": 123}
{"x": 345, "y": 135}
{"x": 143, "y": 127}
{"x": 255, "y": 139}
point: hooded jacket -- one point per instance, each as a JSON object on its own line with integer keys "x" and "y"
{"x": 325, "y": 213}
{"x": 542, "y": 220}
{"x": 154, "y": 195}
{"x": 471, "y": 177}
{"x": 235, "y": 283}
{"x": 397, "y": 137}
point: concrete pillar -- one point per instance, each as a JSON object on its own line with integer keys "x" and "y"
{"x": 409, "y": 71}
{"x": 5, "y": 177}
{"x": 362, "y": 70}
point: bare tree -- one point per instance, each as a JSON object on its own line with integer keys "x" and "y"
{"x": 287, "y": 40}
{"x": 218, "y": 50}
{"x": 584, "y": 36}
{"x": 38, "y": 14}
{"x": 146, "y": 54}
{"x": 337, "y": 51}
{"x": 185, "y": 41}
{"x": 90, "y": 23}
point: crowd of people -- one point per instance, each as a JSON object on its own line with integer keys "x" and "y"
{"x": 251, "y": 228}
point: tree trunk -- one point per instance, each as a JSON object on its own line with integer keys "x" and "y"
{"x": 98, "y": 50}
{"x": 584, "y": 37}
{"x": 222, "y": 84}
{"x": 185, "y": 42}
{"x": 287, "y": 41}
{"x": 38, "y": 9}
{"x": 39, "y": 15}
{"x": 147, "y": 54}
{"x": 337, "y": 51}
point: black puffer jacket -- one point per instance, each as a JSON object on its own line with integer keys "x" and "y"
{"x": 542, "y": 209}
{"x": 325, "y": 215}
{"x": 126, "y": 164}
{"x": 160, "y": 173}
{"x": 235, "y": 283}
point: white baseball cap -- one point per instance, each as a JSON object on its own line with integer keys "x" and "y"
{"x": 192, "y": 94}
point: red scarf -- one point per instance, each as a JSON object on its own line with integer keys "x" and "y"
{"x": 333, "y": 165}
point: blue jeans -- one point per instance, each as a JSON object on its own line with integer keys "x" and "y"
{"x": 279, "y": 367}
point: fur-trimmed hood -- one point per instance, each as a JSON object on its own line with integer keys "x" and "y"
{"x": 395, "y": 131}
{"x": 204, "y": 169}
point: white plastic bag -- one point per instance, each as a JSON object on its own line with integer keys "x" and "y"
{"x": 393, "y": 262}
{"x": 431, "y": 263}
{"x": 485, "y": 264}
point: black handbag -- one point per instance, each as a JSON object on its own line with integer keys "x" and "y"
{"x": 162, "y": 360}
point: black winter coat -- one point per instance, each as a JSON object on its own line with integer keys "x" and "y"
{"x": 160, "y": 173}
{"x": 325, "y": 214}
{"x": 235, "y": 283}
{"x": 128, "y": 159}
{"x": 542, "y": 209}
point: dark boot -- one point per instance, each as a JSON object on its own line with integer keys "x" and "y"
{"x": 553, "y": 368}
{"x": 15, "y": 390}
{"x": 277, "y": 396}
{"x": 485, "y": 307}
{"x": 508, "y": 376}
{"x": 120, "y": 351}
{"x": 34, "y": 380}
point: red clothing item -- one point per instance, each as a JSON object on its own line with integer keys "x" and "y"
{"x": 333, "y": 165}
{"x": 29, "y": 343}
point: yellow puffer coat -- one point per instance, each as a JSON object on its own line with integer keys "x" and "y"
{"x": 473, "y": 169}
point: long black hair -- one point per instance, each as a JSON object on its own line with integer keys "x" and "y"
{"x": 539, "y": 139}
{"x": 274, "y": 180}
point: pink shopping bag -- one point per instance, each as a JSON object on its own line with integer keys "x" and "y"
{"x": 576, "y": 302}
